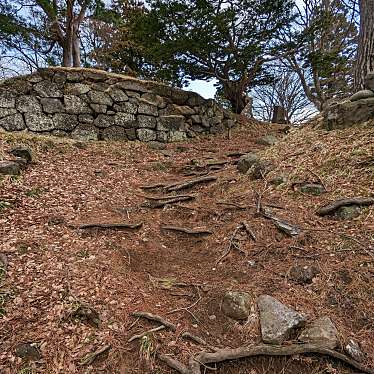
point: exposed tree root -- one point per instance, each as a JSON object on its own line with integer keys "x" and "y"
{"x": 170, "y": 197}
{"x": 186, "y": 230}
{"x": 156, "y": 318}
{"x": 220, "y": 355}
{"x": 331, "y": 208}
{"x": 160, "y": 203}
{"x": 110, "y": 225}
{"x": 139, "y": 336}
{"x": 190, "y": 183}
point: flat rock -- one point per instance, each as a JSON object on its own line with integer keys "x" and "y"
{"x": 348, "y": 212}
{"x": 247, "y": 161}
{"x": 303, "y": 274}
{"x": 9, "y": 168}
{"x": 321, "y": 331}
{"x": 312, "y": 189}
{"x": 236, "y": 305}
{"x": 363, "y": 94}
{"x": 278, "y": 180}
{"x": 267, "y": 140}
{"x": 28, "y": 352}
{"x": 277, "y": 320}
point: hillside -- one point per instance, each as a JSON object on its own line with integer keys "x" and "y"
{"x": 72, "y": 290}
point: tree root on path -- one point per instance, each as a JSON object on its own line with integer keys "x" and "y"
{"x": 204, "y": 358}
{"x": 161, "y": 202}
{"x": 190, "y": 183}
{"x": 331, "y": 208}
{"x": 109, "y": 225}
{"x": 155, "y": 318}
{"x": 186, "y": 230}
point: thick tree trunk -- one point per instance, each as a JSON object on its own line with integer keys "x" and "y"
{"x": 234, "y": 93}
{"x": 365, "y": 54}
{"x": 67, "y": 60}
{"x": 76, "y": 50}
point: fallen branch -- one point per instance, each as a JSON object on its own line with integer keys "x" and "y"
{"x": 110, "y": 225}
{"x": 190, "y": 183}
{"x": 220, "y": 355}
{"x": 139, "y": 336}
{"x": 186, "y": 230}
{"x": 174, "y": 364}
{"x": 156, "y": 318}
{"x": 331, "y": 208}
{"x": 196, "y": 339}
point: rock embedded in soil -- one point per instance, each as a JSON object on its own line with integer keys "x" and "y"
{"x": 352, "y": 348}
{"x": 277, "y": 320}
{"x": 363, "y": 94}
{"x": 27, "y": 351}
{"x": 236, "y": 305}
{"x": 348, "y": 212}
{"x": 157, "y": 145}
{"x": 22, "y": 152}
{"x": 312, "y": 189}
{"x": 278, "y": 180}
{"x": 267, "y": 140}
{"x": 247, "y": 161}
{"x": 369, "y": 81}
{"x": 321, "y": 331}
{"x": 303, "y": 274}
{"x": 9, "y": 168}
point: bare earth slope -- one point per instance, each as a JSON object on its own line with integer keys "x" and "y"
{"x": 54, "y": 267}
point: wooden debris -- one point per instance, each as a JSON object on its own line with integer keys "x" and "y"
{"x": 220, "y": 355}
{"x": 139, "y": 336}
{"x": 248, "y": 230}
{"x": 110, "y": 225}
{"x": 155, "y": 318}
{"x": 91, "y": 357}
{"x": 282, "y": 225}
{"x": 186, "y": 230}
{"x": 160, "y": 202}
{"x": 331, "y": 208}
{"x": 190, "y": 183}
{"x": 196, "y": 339}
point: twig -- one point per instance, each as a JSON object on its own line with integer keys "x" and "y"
{"x": 186, "y": 230}
{"x": 231, "y": 244}
{"x": 156, "y": 318}
{"x": 139, "y": 336}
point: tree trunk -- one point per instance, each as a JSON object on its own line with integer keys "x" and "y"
{"x": 67, "y": 54}
{"x": 76, "y": 49}
{"x": 365, "y": 53}
{"x": 233, "y": 92}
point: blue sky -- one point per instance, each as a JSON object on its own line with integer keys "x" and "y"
{"x": 205, "y": 89}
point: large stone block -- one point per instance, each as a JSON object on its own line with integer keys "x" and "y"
{"x": 14, "y": 122}
{"x": 146, "y": 135}
{"x": 126, "y": 120}
{"x": 47, "y": 89}
{"x": 7, "y": 100}
{"x": 126, "y": 107}
{"x": 104, "y": 121}
{"x": 114, "y": 133}
{"x": 117, "y": 95}
{"x": 147, "y": 122}
{"x": 38, "y": 122}
{"x": 6, "y": 112}
{"x": 147, "y": 108}
{"x": 26, "y": 103}
{"x": 156, "y": 100}
{"x": 52, "y": 105}
{"x": 66, "y": 122}
{"x": 172, "y": 122}
{"x": 98, "y": 97}
{"x": 85, "y": 132}
{"x": 133, "y": 85}
{"x": 77, "y": 88}
{"x": 76, "y": 105}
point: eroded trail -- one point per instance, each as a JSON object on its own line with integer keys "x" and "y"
{"x": 190, "y": 248}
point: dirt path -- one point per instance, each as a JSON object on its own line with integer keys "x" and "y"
{"x": 55, "y": 267}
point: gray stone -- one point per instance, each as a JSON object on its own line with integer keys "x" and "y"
{"x": 147, "y": 122}
{"x": 177, "y": 136}
{"x": 162, "y": 136}
{"x": 267, "y": 140}
{"x": 77, "y": 88}
{"x": 303, "y": 274}
{"x": 100, "y": 86}
{"x": 146, "y": 135}
{"x": 236, "y": 305}
{"x": 74, "y": 76}
{"x": 260, "y": 169}
{"x": 95, "y": 75}
{"x": 99, "y": 97}
{"x": 348, "y": 212}
{"x": 156, "y": 100}
{"x": 322, "y": 332}
{"x": 13, "y": 123}
{"x": 182, "y": 110}
{"x": 247, "y": 161}
{"x": 363, "y": 94}
{"x": 28, "y": 352}
{"x": 47, "y": 89}
{"x": 22, "y": 152}
{"x": 195, "y": 100}
{"x": 126, "y": 120}
{"x": 52, "y": 105}
{"x": 59, "y": 77}
{"x": 114, "y": 133}
{"x": 352, "y": 348}
{"x": 85, "y": 118}
{"x": 117, "y": 95}
{"x": 99, "y": 108}
{"x": 278, "y": 180}
{"x": 85, "y": 132}
{"x": 172, "y": 122}
{"x": 313, "y": 189}
{"x": 133, "y": 85}
{"x": 196, "y": 118}
{"x": 131, "y": 133}
{"x": 9, "y": 168}
{"x": 75, "y": 105}
{"x": 147, "y": 108}
{"x": 369, "y": 81}
{"x": 7, "y": 100}
{"x": 157, "y": 145}
{"x": 60, "y": 133}
{"x": 38, "y": 122}
{"x": 217, "y": 129}
{"x": 65, "y": 122}
{"x": 6, "y": 112}
{"x": 126, "y": 107}
{"x": 28, "y": 104}
{"x": 104, "y": 121}
{"x": 277, "y": 320}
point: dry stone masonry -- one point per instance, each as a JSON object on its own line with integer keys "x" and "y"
{"x": 91, "y": 104}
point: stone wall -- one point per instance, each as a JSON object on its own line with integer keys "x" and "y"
{"x": 92, "y": 104}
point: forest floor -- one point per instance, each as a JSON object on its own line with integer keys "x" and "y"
{"x": 54, "y": 267}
